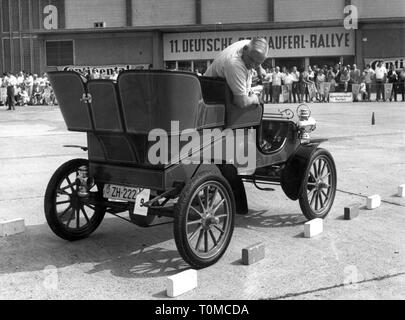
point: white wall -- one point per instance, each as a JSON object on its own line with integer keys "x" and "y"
{"x": 380, "y": 8}
{"x": 83, "y": 14}
{"x": 233, "y": 11}
{"x": 308, "y": 10}
{"x": 163, "y": 12}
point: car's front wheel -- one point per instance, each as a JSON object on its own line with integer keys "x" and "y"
{"x": 204, "y": 219}
{"x": 319, "y": 185}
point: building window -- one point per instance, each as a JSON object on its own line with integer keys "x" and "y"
{"x": 59, "y": 53}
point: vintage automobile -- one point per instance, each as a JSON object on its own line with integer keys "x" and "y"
{"x": 123, "y": 120}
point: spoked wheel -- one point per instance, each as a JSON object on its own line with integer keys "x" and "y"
{"x": 70, "y": 216}
{"x": 204, "y": 219}
{"x": 319, "y": 186}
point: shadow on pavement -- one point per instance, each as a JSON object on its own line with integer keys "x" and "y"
{"x": 121, "y": 248}
{"x": 264, "y": 219}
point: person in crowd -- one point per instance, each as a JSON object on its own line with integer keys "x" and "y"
{"x": 401, "y": 83}
{"x": 337, "y": 68}
{"x": 304, "y": 75}
{"x": 235, "y": 63}
{"x": 363, "y": 87}
{"x": 315, "y": 69}
{"x": 3, "y": 91}
{"x": 86, "y": 75}
{"x": 17, "y": 97}
{"x": 393, "y": 78}
{"x": 20, "y": 78}
{"x": 283, "y": 73}
{"x": 114, "y": 75}
{"x": 36, "y": 98}
{"x": 344, "y": 78}
{"x": 267, "y": 86}
{"x": 94, "y": 75}
{"x": 23, "y": 97}
{"x": 276, "y": 84}
{"x": 338, "y": 72}
{"x": 295, "y": 79}
{"x": 368, "y": 75}
{"x": 288, "y": 82}
{"x": 11, "y": 82}
{"x": 355, "y": 77}
{"x": 330, "y": 77}
{"x": 29, "y": 83}
{"x": 320, "y": 85}
{"x": 43, "y": 81}
{"x": 255, "y": 78}
{"x": 380, "y": 79}
{"x": 301, "y": 86}
{"x": 48, "y": 97}
{"x": 310, "y": 88}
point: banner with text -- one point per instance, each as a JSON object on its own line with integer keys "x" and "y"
{"x": 398, "y": 62}
{"x": 283, "y": 43}
{"x": 341, "y": 97}
{"x": 103, "y": 70}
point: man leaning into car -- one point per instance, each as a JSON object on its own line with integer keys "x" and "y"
{"x": 236, "y": 63}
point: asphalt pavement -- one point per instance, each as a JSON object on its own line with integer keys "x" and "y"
{"x": 362, "y": 258}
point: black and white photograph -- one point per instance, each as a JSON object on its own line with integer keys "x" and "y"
{"x": 199, "y": 156}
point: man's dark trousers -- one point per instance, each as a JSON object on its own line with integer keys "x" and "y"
{"x": 10, "y": 98}
{"x": 380, "y": 90}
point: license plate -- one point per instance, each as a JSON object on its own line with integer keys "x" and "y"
{"x": 112, "y": 191}
{"x": 137, "y": 195}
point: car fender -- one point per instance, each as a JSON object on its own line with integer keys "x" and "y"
{"x": 230, "y": 173}
{"x": 293, "y": 172}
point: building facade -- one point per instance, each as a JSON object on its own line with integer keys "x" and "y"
{"x": 43, "y": 35}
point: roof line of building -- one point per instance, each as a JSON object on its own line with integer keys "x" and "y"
{"x": 220, "y": 26}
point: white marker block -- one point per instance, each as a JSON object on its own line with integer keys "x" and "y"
{"x": 313, "y": 228}
{"x": 373, "y": 202}
{"x": 181, "y": 283}
{"x": 401, "y": 191}
{"x": 10, "y": 227}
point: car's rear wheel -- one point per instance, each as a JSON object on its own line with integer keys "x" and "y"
{"x": 69, "y": 215}
{"x": 319, "y": 185}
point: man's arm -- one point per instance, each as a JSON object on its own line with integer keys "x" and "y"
{"x": 237, "y": 79}
{"x": 244, "y": 101}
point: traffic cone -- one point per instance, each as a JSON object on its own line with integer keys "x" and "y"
{"x": 373, "y": 119}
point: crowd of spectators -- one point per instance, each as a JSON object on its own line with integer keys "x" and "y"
{"x": 93, "y": 74}
{"x": 312, "y": 84}
{"x": 315, "y": 83}
{"x": 25, "y": 89}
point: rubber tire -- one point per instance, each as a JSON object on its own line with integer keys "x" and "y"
{"x": 180, "y": 219}
{"x": 142, "y": 221}
{"x": 50, "y": 209}
{"x": 303, "y": 199}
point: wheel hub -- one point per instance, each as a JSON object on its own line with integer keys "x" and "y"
{"x": 320, "y": 184}
{"x": 208, "y": 221}
{"x": 75, "y": 201}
